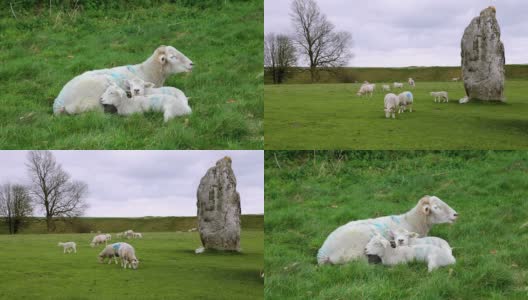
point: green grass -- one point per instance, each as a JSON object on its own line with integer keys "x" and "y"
{"x": 145, "y": 224}
{"x": 332, "y": 116}
{"x": 34, "y": 267}
{"x": 307, "y": 198}
{"x": 39, "y": 54}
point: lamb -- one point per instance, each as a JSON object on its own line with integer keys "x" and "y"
{"x": 403, "y": 237}
{"x": 110, "y": 251}
{"x": 68, "y": 247}
{"x": 435, "y": 257}
{"x": 440, "y": 96}
{"x": 137, "y": 235}
{"x": 366, "y": 89}
{"x": 98, "y": 239}
{"x": 405, "y": 100}
{"x": 411, "y": 82}
{"x": 385, "y": 87}
{"x": 464, "y": 100}
{"x": 138, "y": 87}
{"x": 83, "y": 92}
{"x": 347, "y": 242}
{"x": 168, "y": 104}
{"x": 398, "y": 85}
{"x": 390, "y": 105}
{"x": 128, "y": 256}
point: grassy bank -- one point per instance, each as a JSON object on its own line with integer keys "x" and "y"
{"x": 309, "y": 195}
{"x": 40, "y": 52}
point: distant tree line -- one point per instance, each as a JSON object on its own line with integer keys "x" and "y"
{"x": 51, "y": 191}
{"x": 314, "y": 42}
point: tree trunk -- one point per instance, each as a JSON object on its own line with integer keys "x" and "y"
{"x": 49, "y": 223}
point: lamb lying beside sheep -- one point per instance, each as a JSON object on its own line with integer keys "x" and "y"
{"x": 68, "y": 247}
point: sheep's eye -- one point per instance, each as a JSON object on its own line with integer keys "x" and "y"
{"x": 435, "y": 207}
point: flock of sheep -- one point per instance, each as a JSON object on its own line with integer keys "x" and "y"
{"x": 399, "y": 103}
{"x": 124, "y": 251}
{"x": 131, "y": 89}
{"x": 394, "y": 239}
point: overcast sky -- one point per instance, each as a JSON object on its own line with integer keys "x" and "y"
{"x": 147, "y": 183}
{"x": 395, "y": 33}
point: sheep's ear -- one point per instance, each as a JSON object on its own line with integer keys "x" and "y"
{"x": 149, "y": 85}
{"x": 426, "y": 209}
{"x": 161, "y": 52}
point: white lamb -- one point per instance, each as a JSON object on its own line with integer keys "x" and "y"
{"x": 128, "y": 256}
{"x": 347, "y": 242}
{"x": 403, "y": 237}
{"x": 385, "y": 87}
{"x": 168, "y": 104}
{"x": 440, "y": 96}
{"x": 68, "y": 247}
{"x": 110, "y": 251}
{"x": 137, "y": 235}
{"x": 464, "y": 100}
{"x": 138, "y": 87}
{"x": 390, "y": 105}
{"x": 398, "y": 85}
{"x": 405, "y": 100}
{"x": 435, "y": 257}
{"x": 98, "y": 239}
{"x": 411, "y": 82}
{"x": 366, "y": 89}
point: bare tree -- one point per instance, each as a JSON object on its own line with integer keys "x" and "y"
{"x": 279, "y": 55}
{"x": 317, "y": 39}
{"x": 15, "y": 206}
{"x": 53, "y": 190}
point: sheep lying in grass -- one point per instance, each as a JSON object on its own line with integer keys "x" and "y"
{"x": 98, "y": 239}
{"x": 405, "y": 100}
{"x": 68, "y": 247}
{"x": 435, "y": 257}
{"x": 385, "y": 87}
{"x": 168, "y": 104}
{"x": 110, "y": 251}
{"x": 347, "y": 242}
{"x": 440, "y": 96}
{"x": 464, "y": 100}
{"x": 403, "y": 237}
{"x": 390, "y": 105}
{"x": 398, "y": 85}
{"x": 138, "y": 87}
{"x": 128, "y": 256}
{"x": 366, "y": 89}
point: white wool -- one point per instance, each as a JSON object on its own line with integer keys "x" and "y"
{"x": 440, "y": 96}
{"x": 385, "y": 87}
{"x": 98, "y": 239}
{"x": 199, "y": 250}
{"x": 390, "y": 105}
{"x": 464, "y": 100}
{"x": 398, "y": 85}
{"x": 405, "y": 100}
{"x": 366, "y": 88}
{"x": 127, "y": 255}
{"x": 411, "y": 82}
{"x": 68, "y": 247}
{"x": 110, "y": 251}
{"x": 347, "y": 242}
{"x": 403, "y": 237}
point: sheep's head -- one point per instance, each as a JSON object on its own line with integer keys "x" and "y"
{"x": 436, "y": 210}
{"x": 134, "y": 263}
{"x": 377, "y": 245}
{"x": 172, "y": 61}
{"x": 401, "y": 236}
{"x": 137, "y": 87}
{"x": 113, "y": 95}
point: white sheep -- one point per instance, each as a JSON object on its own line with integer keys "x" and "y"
{"x": 83, "y": 92}
{"x": 390, "y": 105}
{"x": 464, "y": 100}
{"x": 455, "y": 79}
{"x": 108, "y": 237}
{"x": 168, "y": 104}
{"x": 411, "y": 82}
{"x": 366, "y": 89}
{"x": 440, "y": 96}
{"x": 405, "y": 100}
{"x": 435, "y": 257}
{"x": 128, "y": 233}
{"x": 403, "y": 237}
{"x": 397, "y": 85}
{"x": 68, "y": 247}
{"x": 98, "y": 239}
{"x": 110, "y": 251}
{"x": 385, "y": 87}
{"x": 128, "y": 256}
{"x": 347, "y": 242}
{"x": 137, "y": 235}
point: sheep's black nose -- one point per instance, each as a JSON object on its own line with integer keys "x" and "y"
{"x": 192, "y": 64}
{"x": 456, "y": 215}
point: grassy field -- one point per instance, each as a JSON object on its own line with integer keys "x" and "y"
{"x": 332, "y": 116}
{"x": 34, "y": 267}
{"x": 308, "y": 196}
{"x": 40, "y": 52}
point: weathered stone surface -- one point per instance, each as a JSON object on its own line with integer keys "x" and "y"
{"x": 483, "y": 58}
{"x": 219, "y": 208}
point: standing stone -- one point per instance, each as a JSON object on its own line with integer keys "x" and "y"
{"x": 483, "y": 58}
{"x": 219, "y": 208}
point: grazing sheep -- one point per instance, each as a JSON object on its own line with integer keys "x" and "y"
{"x": 440, "y": 96}
{"x": 405, "y": 100}
{"x": 128, "y": 256}
{"x": 168, "y": 104}
{"x": 129, "y": 234}
{"x": 110, "y": 251}
{"x": 108, "y": 237}
{"x": 68, "y": 247}
{"x": 137, "y": 235}
{"x": 398, "y": 85}
{"x": 435, "y": 257}
{"x": 411, "y": 82}
{"x": 390, "y": 105}
{"x": 366, "y": 89}
{"x": 403, "y": 237}
{"x": 83, "y": 92}
{"x": 98, "y": 239}
{"x": 347, "y": 242}
{"x": 464, "y": 100}
{"x": 385, "y": 87}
